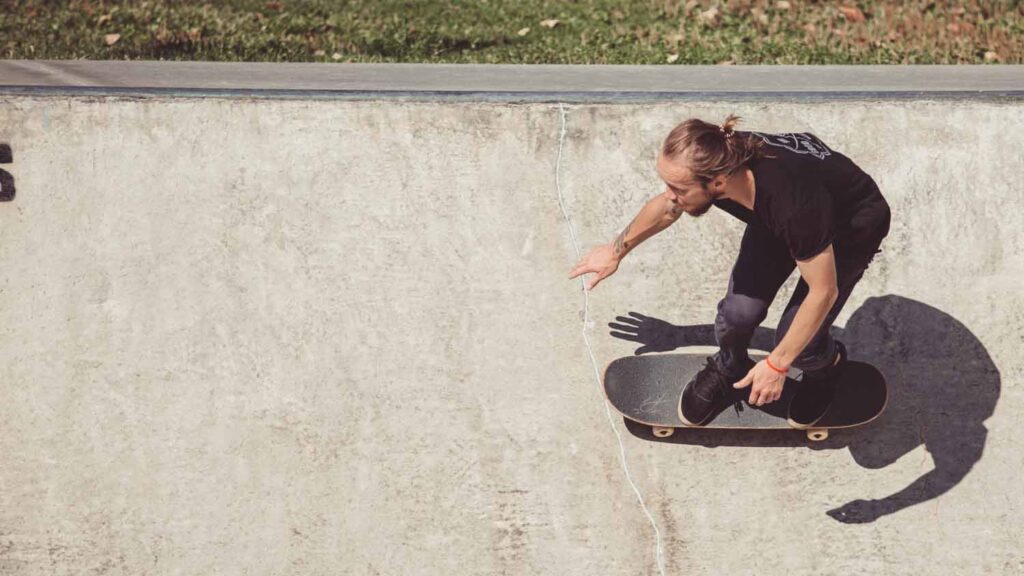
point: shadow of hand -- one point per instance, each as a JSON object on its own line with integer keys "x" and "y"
{"x": 858, "y": 511}
{"x": 654, "y": 335}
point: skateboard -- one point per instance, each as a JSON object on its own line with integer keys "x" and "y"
{"x": 647, "y": 389}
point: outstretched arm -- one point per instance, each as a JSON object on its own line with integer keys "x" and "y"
{"x": 658, "y": 214}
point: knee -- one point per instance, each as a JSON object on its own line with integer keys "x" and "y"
{"x": 736, "y": 310}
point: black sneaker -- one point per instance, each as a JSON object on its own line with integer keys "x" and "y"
{"x": 705, "y": 395}
{"x": 816, "y": 394}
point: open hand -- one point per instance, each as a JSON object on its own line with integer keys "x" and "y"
{"x": 765, "y": 384}
{"x": 600, "y": 259}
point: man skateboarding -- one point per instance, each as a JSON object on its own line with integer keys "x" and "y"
{"x": 805, "y": 206}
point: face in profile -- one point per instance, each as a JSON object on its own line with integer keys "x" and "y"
{"x": 692, "y": 197}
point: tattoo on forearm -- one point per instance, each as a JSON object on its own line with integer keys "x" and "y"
{"x": 620, "y": 242}
{"x": 675, "y": 210}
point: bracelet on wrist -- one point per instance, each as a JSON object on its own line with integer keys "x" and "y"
{"x": 773, "y": 367}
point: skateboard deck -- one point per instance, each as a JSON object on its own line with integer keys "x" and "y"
{"x": 647, "y": 389}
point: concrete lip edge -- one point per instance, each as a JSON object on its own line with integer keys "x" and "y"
{"x": 505, "y": 97}
{"x": 509, "y": 82}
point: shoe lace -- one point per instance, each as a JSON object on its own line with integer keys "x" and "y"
{"x": 722, "y": 389}
{"x": 718, "y": 387}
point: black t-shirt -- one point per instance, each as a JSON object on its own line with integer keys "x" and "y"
{"x": 809, "y": 196}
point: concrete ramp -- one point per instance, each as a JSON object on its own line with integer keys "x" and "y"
{"x": 315, "y": 319}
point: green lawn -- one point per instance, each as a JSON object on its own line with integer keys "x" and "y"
{"x": 520, "y": 31}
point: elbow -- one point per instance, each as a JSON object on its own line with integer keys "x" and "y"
{"x": 833, "y": 295}
{"x": 827, "y": 293}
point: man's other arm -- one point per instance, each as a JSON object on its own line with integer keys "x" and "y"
{"x": 819, "y": 272}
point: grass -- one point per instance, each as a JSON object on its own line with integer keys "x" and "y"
{"x": 520, "y": 31}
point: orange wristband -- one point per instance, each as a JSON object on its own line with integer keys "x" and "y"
{"x": 766, "y": 359}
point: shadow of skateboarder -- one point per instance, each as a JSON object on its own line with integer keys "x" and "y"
{"x": 943, "y": 385}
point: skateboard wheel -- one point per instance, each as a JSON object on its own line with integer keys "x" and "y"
{"x": 661, "y": 432}
{"x": 817, "y": 435}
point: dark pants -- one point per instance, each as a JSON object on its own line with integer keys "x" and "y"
{"x": 761, "y": 268}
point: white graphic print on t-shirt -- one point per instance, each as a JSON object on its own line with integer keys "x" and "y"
{"x": 801, "y": 143}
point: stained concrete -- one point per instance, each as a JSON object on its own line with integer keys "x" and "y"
{"x": 313, "y": 336}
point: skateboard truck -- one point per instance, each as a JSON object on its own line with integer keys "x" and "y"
{"x": 813, "y": 434}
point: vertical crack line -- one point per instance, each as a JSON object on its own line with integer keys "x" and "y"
{"x": 590, "y": 349}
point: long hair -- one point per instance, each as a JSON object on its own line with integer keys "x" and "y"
{"x": 709, "y": 150}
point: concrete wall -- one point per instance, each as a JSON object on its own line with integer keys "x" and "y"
{"x": 336, "y": 336}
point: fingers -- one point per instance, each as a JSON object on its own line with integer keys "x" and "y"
{"x": 764, "y": 389}
{"x": 746, "y": 381}
{"x": 600, "y": 276}
{"x": 759, "y": 396}
{"x": 581, "y": 268}
{"x": 586, "y": 270}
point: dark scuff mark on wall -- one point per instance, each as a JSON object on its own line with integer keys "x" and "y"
{"x": 6, "y": 180}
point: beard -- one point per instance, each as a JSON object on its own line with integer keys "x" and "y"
{"x": 703, "y": 207}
